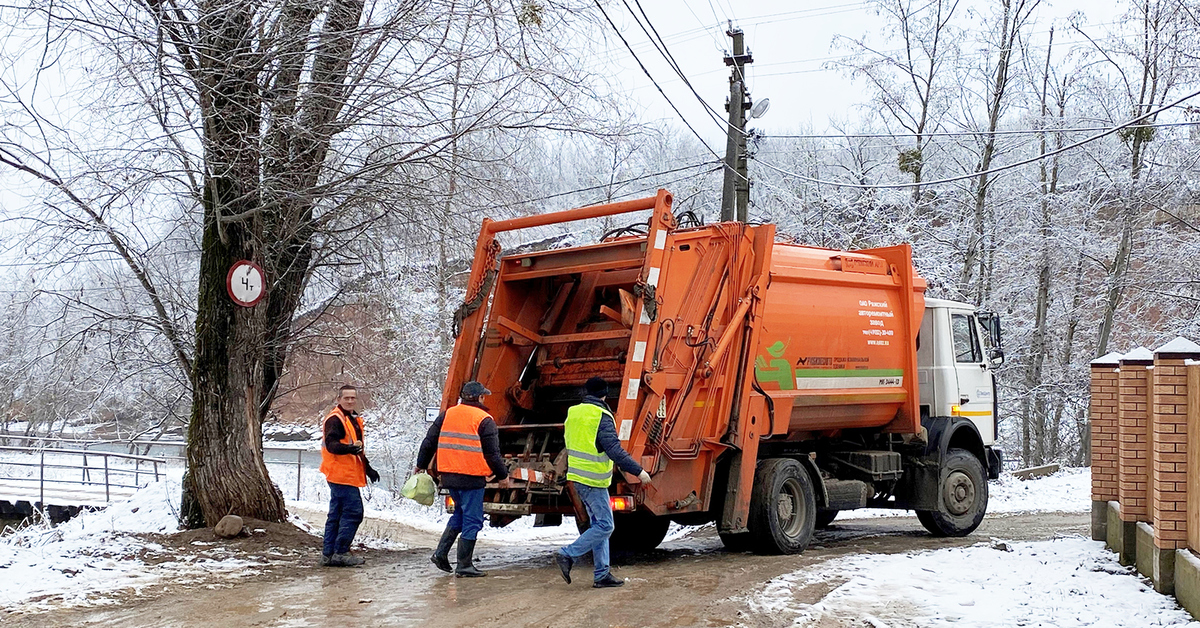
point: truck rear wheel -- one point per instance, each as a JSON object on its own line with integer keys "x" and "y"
{"x": 962, "y": 496}
{"x": 825, "y": 517}
{"x": 783, "y": 507}
{"x": 637, "y": 531}
{"x": 737, "y": 541}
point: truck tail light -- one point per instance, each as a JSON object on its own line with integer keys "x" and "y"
{"x": 622, "y": 503}
{"x": 449, "y": 504}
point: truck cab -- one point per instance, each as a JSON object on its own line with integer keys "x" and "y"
{"x": 958, "y": 349}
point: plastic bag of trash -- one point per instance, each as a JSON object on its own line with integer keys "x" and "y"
{"x": 420, "y": 488}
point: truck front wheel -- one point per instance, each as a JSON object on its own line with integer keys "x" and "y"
{"x": 962, "y": 496}
{"x": 783, "y": 507}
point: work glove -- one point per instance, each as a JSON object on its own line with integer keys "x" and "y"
{"x": 645, "y": 477}
{"x": 372, "y": 474}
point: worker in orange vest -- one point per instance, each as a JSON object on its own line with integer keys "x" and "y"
{"x": 346, "y": 468}
{"x": 467, "y": 445}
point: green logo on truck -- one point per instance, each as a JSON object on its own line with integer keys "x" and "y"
{"x": 778, "y": 369}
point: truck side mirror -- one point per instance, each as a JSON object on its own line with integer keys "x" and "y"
{"x": 990, "y": 321}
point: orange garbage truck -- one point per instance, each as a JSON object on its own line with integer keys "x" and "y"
{"x": 764, "y": 386}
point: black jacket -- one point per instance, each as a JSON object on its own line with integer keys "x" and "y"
{"x": 489, "y": 441}
{"x": 607, "y": 441}
{"x": 334, "y": 433}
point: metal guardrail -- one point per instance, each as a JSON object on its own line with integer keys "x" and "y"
{"x": 298, "y": 464}
{"x": 114, "y": 476}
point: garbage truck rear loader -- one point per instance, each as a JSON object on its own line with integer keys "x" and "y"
{"x": 765, "y": 386}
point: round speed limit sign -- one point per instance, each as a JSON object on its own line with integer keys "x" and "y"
{"x": 245, "y": 283}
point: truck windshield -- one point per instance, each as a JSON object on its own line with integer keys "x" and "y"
{"x": 966, "y": 342}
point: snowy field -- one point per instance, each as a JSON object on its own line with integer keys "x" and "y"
{"x": 1068, "y": 582}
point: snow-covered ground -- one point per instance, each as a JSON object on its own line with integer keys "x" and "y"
{"x": 1063, "y": 583}
{"x": 84, "y": 560}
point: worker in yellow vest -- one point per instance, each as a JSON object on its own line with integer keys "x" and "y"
{"x": 346, "y": 468}
{"x": 467, "y": 445}
{"x": 592, "y": 448}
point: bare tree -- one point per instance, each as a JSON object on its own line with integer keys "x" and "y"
{"x": 1150, "y": 69}
{"x": 1013, "y": 19}
{"x": 291, "y": 121}
{"x": 908, "y": 83}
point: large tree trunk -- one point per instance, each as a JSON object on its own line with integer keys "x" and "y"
{"x": 226, "y": 472}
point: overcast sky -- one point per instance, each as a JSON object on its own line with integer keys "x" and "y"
{"x": 791, "y": 43}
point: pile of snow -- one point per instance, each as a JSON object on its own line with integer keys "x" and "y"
{"x": 276, "y": 433}
{"x": 1068, "y": 490}
{"x": 1066, "y": 582}
{"x": 94, "y": 555}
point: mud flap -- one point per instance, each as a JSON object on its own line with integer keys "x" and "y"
{"x": 736, "y": 511}
{"x": 918, "y": 487}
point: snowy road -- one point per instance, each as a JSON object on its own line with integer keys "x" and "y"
{"x": 875, "y": 572}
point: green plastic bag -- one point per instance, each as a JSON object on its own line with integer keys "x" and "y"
{"x": 420, "y": 488}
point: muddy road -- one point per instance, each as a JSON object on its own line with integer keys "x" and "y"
{"x": 690, "y": 581}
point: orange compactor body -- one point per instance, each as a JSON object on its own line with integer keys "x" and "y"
{"x": 716, "y": 341}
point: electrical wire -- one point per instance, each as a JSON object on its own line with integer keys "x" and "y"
{"x": 664, "y": 94}
{"x": 1023, "y": 162}
{"x": 836, "y": 136}
{"x": 595, "y": 187}
{"x": 674, "y": 65}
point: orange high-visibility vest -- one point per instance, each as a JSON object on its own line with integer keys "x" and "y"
{"x": 345, "y": 469}
{"x": 459, "y": 449}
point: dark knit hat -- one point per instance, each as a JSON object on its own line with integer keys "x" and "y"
{"x": 473, "y": 390}
{"x": 596, "y": 387}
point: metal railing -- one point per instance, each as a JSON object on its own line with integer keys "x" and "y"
{"x": 110, "y": 476}
{"x": 53, "y": 446}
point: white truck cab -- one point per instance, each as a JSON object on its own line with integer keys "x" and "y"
{"x": 957, "y": 349}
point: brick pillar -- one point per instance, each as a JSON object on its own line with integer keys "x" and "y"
{"x": 1102, "y": 415}
{"x": 1170, "y": 455}
{"x": 1133, "y": 455}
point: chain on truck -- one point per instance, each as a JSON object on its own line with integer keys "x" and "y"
{"x": 765, "y": 386}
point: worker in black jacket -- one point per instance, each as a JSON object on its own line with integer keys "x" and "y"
{"x": 467, "y": 445}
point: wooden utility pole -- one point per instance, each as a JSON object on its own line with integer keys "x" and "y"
{"x": 735, "y": 195}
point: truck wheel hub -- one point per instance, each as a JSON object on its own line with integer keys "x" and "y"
{"x": 959, "y": 493}
{"x": 789, "y": 508}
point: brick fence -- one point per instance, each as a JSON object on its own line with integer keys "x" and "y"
{"x": 1145, "y": 421}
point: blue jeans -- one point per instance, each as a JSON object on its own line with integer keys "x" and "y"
{"x": 345, "y": 513}
{"x": 468, "y": 512}
{"x": 595, "y": 538}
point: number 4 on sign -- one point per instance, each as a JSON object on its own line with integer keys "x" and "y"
{"x": 245, "y": 283}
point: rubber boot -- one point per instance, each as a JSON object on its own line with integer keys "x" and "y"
{"x": 441, "y": 555}
{"x": 346, "y": 560}
{"x": 466, "y": 552}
